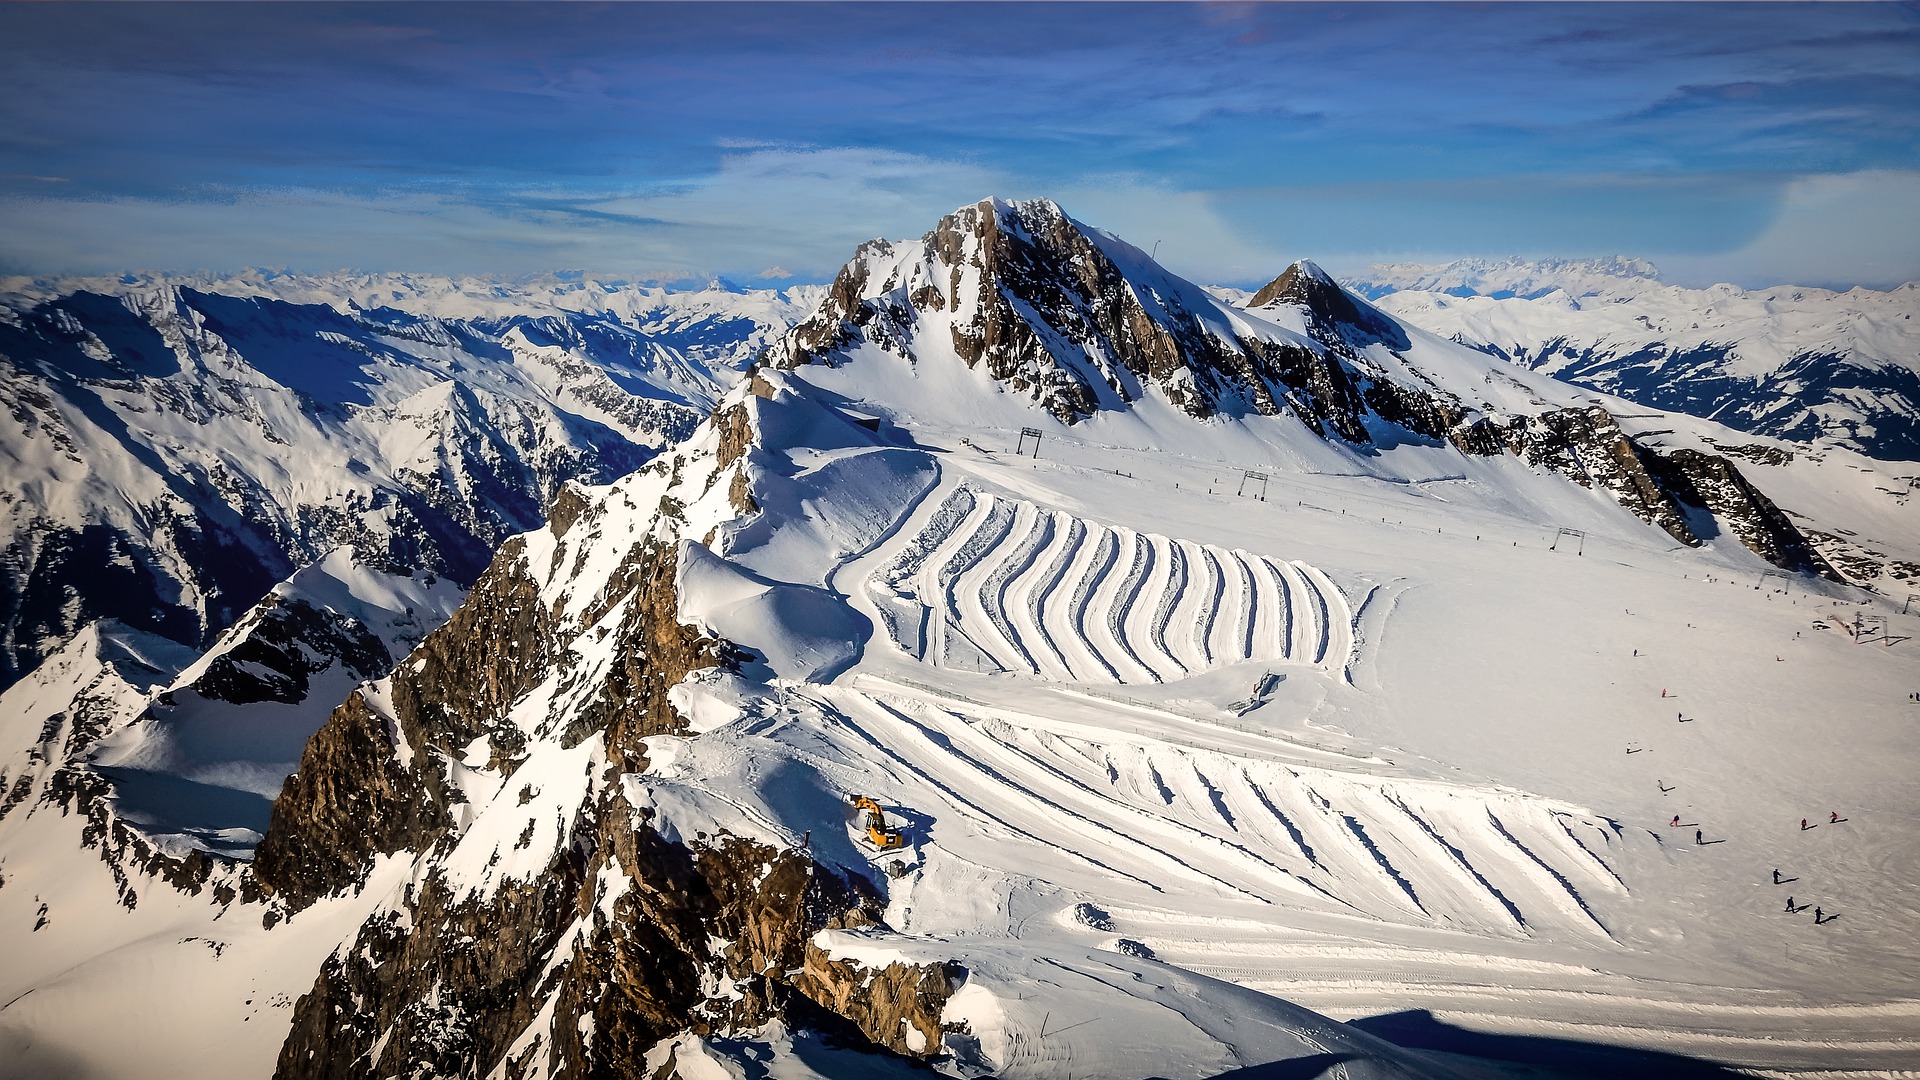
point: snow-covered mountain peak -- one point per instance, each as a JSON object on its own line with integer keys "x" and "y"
{"x": 1284, "y": 661}
{"x": 1330, "y": 312}
{"x": 1606, "y": 276}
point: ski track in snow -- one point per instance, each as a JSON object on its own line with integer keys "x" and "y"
{"x": 1392, "y": 850}
{"x": 995, "y": 570}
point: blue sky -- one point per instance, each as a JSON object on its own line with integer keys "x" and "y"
{"x": 1757, "y": 144}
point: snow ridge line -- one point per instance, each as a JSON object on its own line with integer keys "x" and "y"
{"x": 998, "y": 570}
{"x": 1559, "y": 878}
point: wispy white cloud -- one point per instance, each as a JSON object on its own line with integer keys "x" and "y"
{"x": 1835, "y": 229}
{"x": 800, "y": 212}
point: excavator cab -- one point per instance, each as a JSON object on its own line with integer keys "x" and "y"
{"x": 884, "y": 838}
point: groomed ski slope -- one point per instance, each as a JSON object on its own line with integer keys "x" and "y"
{"x": 996, "y": 584}
{"x": 1438, "y": 812}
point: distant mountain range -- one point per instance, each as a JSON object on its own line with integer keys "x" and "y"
{"x": 1810, "y": 365}
{"x": 180, "y": 444}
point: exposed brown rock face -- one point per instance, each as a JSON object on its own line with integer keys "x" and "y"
{"x": 355, "y": 794}
{"x": 736, "y": 433}
{"x": 631, "y": 704}
{"x": 351, "y": 800}
{"x": 1334, "y": 315}
{"x": 1589, "y": 447}
{"x": 1040, "y": 306}
{"x": 286, "y": 642}
{"x": 1713, "y": 482}
{"x": 709, "y": 938}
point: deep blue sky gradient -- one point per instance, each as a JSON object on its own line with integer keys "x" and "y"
{"x": 1754, "y": 143}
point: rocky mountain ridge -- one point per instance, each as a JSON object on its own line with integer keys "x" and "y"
{"x": 1079, "y": 321}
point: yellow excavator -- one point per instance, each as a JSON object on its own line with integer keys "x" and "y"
{"x": 883, "y": 838}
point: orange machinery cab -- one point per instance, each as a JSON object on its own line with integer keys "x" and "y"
{"x": 877, "y": 831}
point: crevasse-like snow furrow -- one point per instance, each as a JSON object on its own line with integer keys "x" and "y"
{"x": 1171, "y": 577}
{"x": 1251, "y": 610}
{"x": 1093, "y": 560}
{"x": 958, "y": 757}
{"x": 900, "y": 589}
{"x": 1062, "y": 645}
{"x": 1273, "y": 813}
{"x": 965, "y": 591}
{"x": 938, "y": 575}
{"x": 1151, "y": 824}
{"x": 1488, "y": 893}
{"x": 1332, "y": 612}
{"x": 1121, "y": 607}
{"x": 1107, "y": 616}
{"x": 1033, "y": 528}
{"x": 1559, "y": 880}
{"x": 1218, "y": 612}
{"x": 1590, "y": 855}
{"x": 1023, "y": 591}
{"x": 1020, "y": 587}
{"x": 1015, "y": 805}
{"x": 1223, "y": 644}
{"x": 1303, "y": 630}
{"x": 1275, "y": 632}
{"x": 939, "y": 529}
{"x": 1344, "y": 843}
{"x": 1194, "y": 609}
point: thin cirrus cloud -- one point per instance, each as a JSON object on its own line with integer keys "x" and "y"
{"x": 734, "y": 138}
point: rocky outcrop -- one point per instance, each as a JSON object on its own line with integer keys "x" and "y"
{"x": 371, "y": 780}
{"x": 1043, "y": 305}
{"x": 1712, "y": 482}
{"x": 1334, "y": 316}
{"x": 284, "y": 642}
{"x": 630, "y": 702}
{"x": 624, "y": 939}
{"x": 606, "y": 932}
{"x": 1587, "y": 446}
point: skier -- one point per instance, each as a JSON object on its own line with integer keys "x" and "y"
{"x": 1776, "y": 876}
{"x": 1833, "y": 817}
{"x": 1790, "y": 907}
{"x": 1675, "y": 823}
{"x": 1803, "y": 825}
{"x": 1663, "y": 693}
{"x": 1697, "y": 838}
{"x": 1818, "y": 916}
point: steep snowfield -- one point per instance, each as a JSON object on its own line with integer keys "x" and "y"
{"x": 1808, "y": 364}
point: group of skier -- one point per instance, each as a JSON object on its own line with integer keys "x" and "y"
{"x": 1820, "y": 916}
